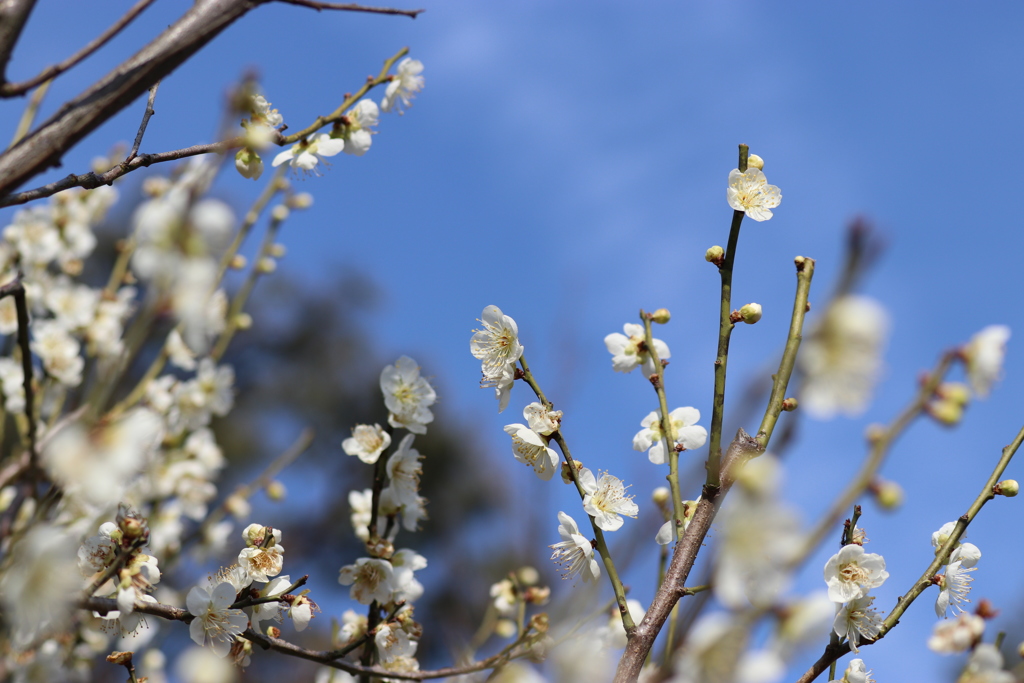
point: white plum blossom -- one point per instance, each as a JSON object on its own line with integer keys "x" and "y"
{"x": 967, "y": 554}
{"x": 497, "y": 344}
{"x": 393, "y": 643}
{"x": 407, "y": 395}
{"x": 574, "y": 552}
{"x": 542, "y": 420}
{"x": 306, "y": 154}
{"x": 261, "y": 560}
{"x": 606, "y": 500}
{"x": 358, "y": 135}
{"x": 97, "y": 464}
{"x": 750, "y": 193}
{"x": 851, "y": 573}
{"x": 954, "y": 586}
{"x": 404, "y": 85}
{"x": 404, "y": 563}
{"x": 270, "y": 611}
{"x": 956, "y": 635}
{"x": 985, "y": 665}
{"x": 629, "y": 350}
{"x": 404, "y": 470}
{"x": 841, "y": 357}
{"x": 98, "y": 551}
{"x": 367, "y": 443}
{"x": 857, "y": 672}
{"x": 666, "y": 534}
{"x": 613, "y": 636}
{"x": 59, "y": 352}
{"x": 858, "y": 621}
{"x": 984, "y": 354}
{"x": 215, "y": 624}
{"x": 532, "y": 449}
{"x": 686, "y": 433}
{"x": 371, "y": 579}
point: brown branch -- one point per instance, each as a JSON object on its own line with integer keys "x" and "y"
{"x": 13, "y": 89}
{"x": 742, "y": 448}
{"x": 145, "y": 122}
{"x": 13, "y": 15}
{"x": 106, "y": 605}
{"x": 352, "y": 7}
{"x": 46, "y": 146}
{"x": 16, "y": 289}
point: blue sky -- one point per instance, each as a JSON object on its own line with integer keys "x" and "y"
{"x": 568, "y": 163}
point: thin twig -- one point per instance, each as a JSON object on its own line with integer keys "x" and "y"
{"x": 352, "y": 7}
{"x": 725, "y": 326}
{"x": 833, "y": 652}
{"x": 16, "y": 289}
{"x": 145, "y": 122}
{"x": 28, "y": 116}
{"x": 13, "y": 89}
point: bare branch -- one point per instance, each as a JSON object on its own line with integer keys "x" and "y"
{"x": 13, "y": 15}
{"x": 352, "y": 7}
{"x": 16, "y": 289}
{"x": 46, "y": 146}
{"x": 13, "y": 89}
{"x": 145, "y": 122}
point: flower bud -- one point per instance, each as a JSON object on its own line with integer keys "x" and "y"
{"x": 537, "y": 595}
{"x": 539, "y": 622}
{"x": 874, "y": 433}
{"x": 750, "y": 313}
{"x": 754, "y": 161}
{"x": 661, "y": 496}
{"x": 243, "y": 321}
{"x": 279, "y": 213}
{"x": 661, "y": 316}
{"x": 956, "y": 392}
{"x": 527, "y": 576}
{"x": 238, "y": 506}
{"x": 248, "y": 164}
{"x": 567, "y": 473}
{"x": 946, "y": 412}
{"x": 302, "y": 200}
{"x": 277, "y": 250}
{"x": 276, "y": 491}
{"x": 505, "y": 628}
{"x": 238, "y": 262}
{"x": 120, "y": 658}
{"x": 888, "y": 494}
{"x": 1007, "y": 487}
{"x": 380, "y": 547}
{"x": 715, "y": 255}
{"x": 273, "y": 632}
{"x": 799, "y": 261}
{"x": 266, "y": 265}
{"x": 790, "y": 404}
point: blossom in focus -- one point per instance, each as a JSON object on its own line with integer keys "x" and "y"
{"x": 629, "y": 350}
{"x": 953, "y": 589}
{"x": 686, "y": 432}
{"x": 367, "y": 443}
{"x": 531, "y": 448}
{"x": 357, "y": 134}
{"x": 574, "y": 552}
{"x": 498, "y": 348}
{"x": 851, "y": 573}
{"x": 371, "y": 579}
{"x": 307, "y": 154}
{"x": 858, "y": 621}
{"x": 215, "y": 624}
{"x": 841, "y": 357}
{"x": 404, "y": 471}
{"x": 407, "y": 395}
{"x": 606, "y": 500}
{"x": 404, "y": 85}
{"x": 404, "y": 563}
{"x": 261, "y": 560}
{"x": 956, "y": 635}
{"x": 750, "y": 193}
{"x": 542, "y": 420}
{"x": 984, "y": 354}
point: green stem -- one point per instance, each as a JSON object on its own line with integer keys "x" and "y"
{"x": 804, "y": 274}
{"x": 600, "y": 545}
{"x": 725, "y": 326}
{"x": 667, "y": 433}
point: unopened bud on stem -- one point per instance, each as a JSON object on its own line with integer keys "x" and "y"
{"x": 661, "y": 316}
{"x": 715, "y": 255}
{"x": 754, "y": 161}
{"x": 1007, "y": 487}
{"x": 750, "y": 313}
